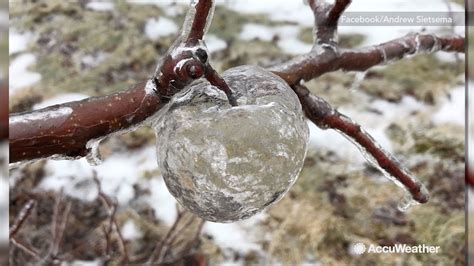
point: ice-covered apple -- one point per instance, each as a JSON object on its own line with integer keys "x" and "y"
{"x": 227, "y": 163}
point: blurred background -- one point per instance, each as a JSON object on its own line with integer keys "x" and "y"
{"x": 470, "y": 133}
{"x": 62, "y": 51}
{"x": 3, "y": 131}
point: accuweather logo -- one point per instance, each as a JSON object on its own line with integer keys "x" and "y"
{"x": 361, "y": 248}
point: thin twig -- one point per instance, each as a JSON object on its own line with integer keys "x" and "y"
{"x": 113, "y": 225}
{"x": 325, "y": 116}
{"x": 21, "y": 217}
{"x": 28, "y": 250}
{"x": 156, "y": 253}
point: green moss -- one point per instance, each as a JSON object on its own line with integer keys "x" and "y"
{"x": 115, "y": 40}
{"x": 424, "y": 77}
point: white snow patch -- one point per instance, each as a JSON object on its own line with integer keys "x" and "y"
{"x": 453, "y": 110}
{"x": 334, "y": 141}
{"x": 288, "y": 37}
{"x": 159, "y": 27}
{"x": 18, "y": 42}
{"x": 130, "y": 231}
{"x": 214, "y": 43}
{"x": 92, "y": 60}
{"x": 162, "y": 201}
{"x": 73, "y": 177}
{"x": 298, "y": 12}
{"x": 239, "y": 236}
{"x": 256, "y": 31}
{"x": 449, "y": 56}
{"x": 59, "y": 99}
{"x": 100, "y": 5}
{"x": 118, "y": 173}
{"x": 277, "y": 10}
{"x": 20, "y": 76}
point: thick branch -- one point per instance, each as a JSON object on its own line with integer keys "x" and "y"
{"x": 200, "y": 23}
{"x": 323, "y": 115}
{"x": 326, "y": 17}
{"x": 314, "y": 64}
{"x": 67, "y": 128}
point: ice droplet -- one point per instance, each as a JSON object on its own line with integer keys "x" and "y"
{"x": 406, "y": 203}
{"x": 227, "y": 163}
{"x": 93, "y": 156}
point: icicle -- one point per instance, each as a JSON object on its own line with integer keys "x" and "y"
{"x": 359, "y": 77}
{"x": 406, "y": 203}
{"x": 93, "y": 155}
{"x": 436, "y": 46}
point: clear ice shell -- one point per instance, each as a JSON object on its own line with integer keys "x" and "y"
{"x": 227, "y": 163}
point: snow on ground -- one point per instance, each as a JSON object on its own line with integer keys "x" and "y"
{"x": 20, "y": 76}
{"x": 453, "y": 110}
{"x": 287, "y": 40}
{"x": 130, "y": 231}
{"x": 241, "y": 236}
{"x": 18, "y": 42}
{"x": 214, "y": 43}
{"x": 160, "y": 27}
{"x": 296, "y": 11}
{"x": 162, "y": 201}
{"x": 100, "y": 5}
{"x": 117, "y": 173}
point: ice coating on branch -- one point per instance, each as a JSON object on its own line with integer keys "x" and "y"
{"x": 227, "y": 163}
{"x": 407, "y": 201}
{"x": 189, "y": 19}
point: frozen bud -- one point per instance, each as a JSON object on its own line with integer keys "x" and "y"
{"x": 227, "y": 163}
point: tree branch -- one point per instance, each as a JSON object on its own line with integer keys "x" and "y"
{"x": 322, "y": 114}
{"x": 67, "y": 130}
{"x": 314, "y": 64}
{"x": 326, "y": 56}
